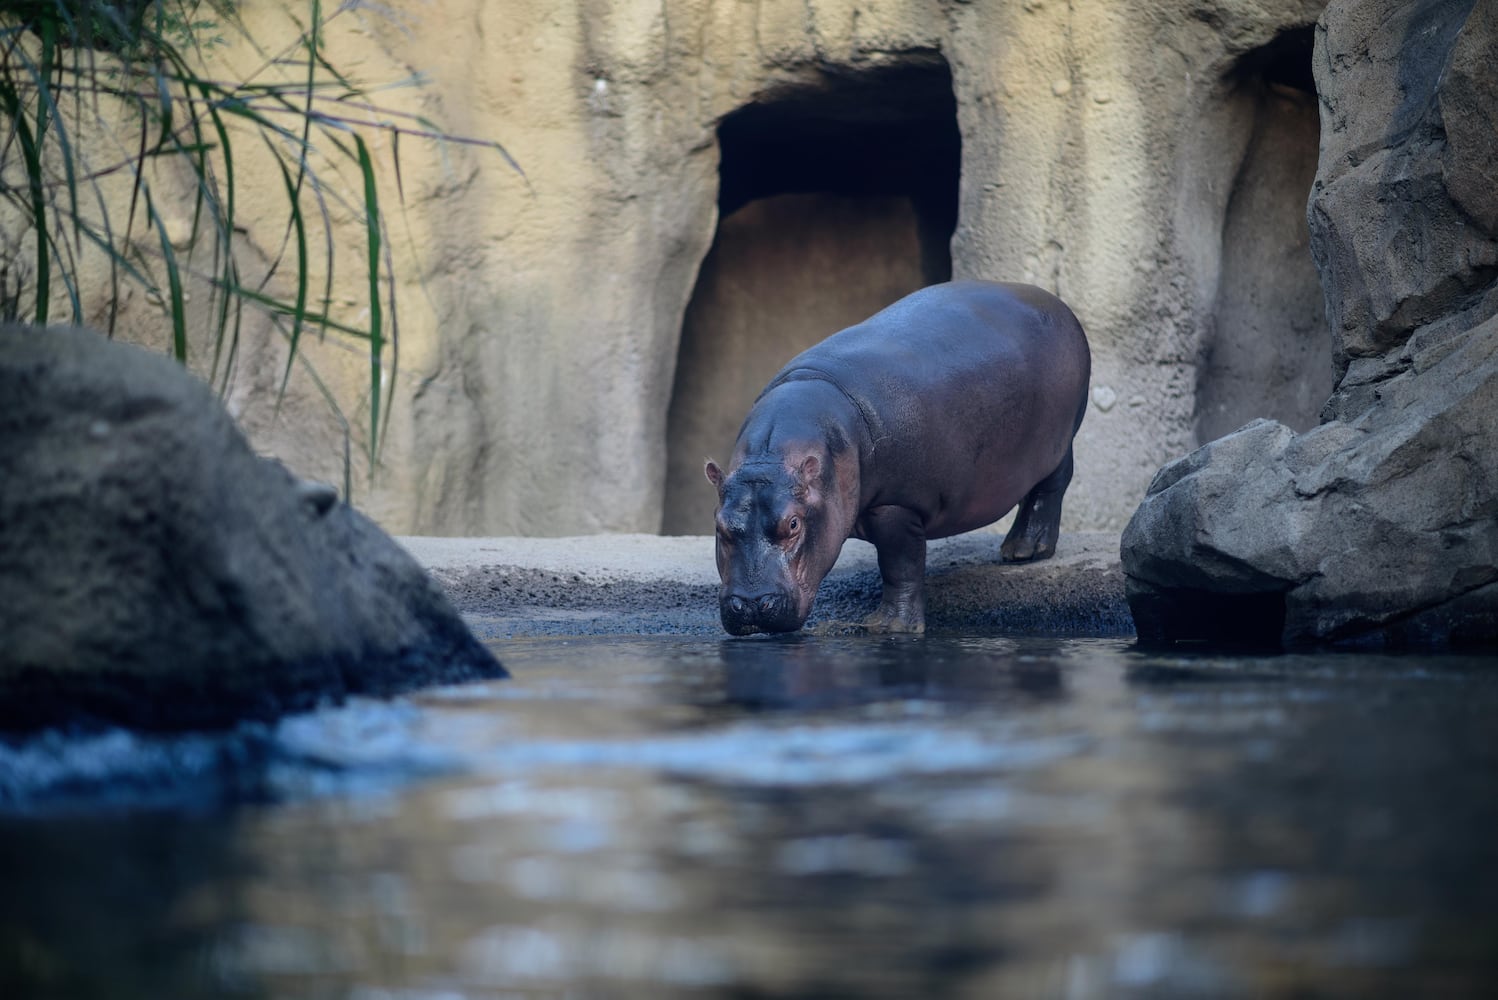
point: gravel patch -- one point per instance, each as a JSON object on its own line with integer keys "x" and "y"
{"x": 650, "y": 585}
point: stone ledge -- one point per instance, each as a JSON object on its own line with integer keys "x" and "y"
{"x": 644, "y": 584}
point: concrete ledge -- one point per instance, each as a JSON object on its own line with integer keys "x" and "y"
{"x": 648, "y": 584}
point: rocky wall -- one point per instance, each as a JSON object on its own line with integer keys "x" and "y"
{"x": 1267, "y": 349}
{"x": 1379, "y": 525}
{"x": 541, "y": 316}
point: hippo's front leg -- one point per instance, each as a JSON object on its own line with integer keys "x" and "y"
{"x": 899, "y": 537}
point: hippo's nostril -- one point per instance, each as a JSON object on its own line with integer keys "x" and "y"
{"x": 770, "y": 605}
{"x": 738, "y": 606}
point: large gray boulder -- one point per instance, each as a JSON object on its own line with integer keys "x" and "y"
{"x": 1381, "y": 524}
{"x": 156, "y": 573}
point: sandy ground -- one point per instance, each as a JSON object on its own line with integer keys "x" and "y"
{"x": 649, "y": 584}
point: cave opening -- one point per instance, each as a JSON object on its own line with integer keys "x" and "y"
{"x": 1269, "y": 351}
{"x": 837, "y": 195}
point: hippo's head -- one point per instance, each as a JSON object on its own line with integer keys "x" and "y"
{"x": 776, "y": 540}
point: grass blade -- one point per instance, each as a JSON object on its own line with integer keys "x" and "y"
{"x": 299, "y": 312}
{"x": 376, "y": 332}
{"x": 226, "y": 154}
{"x": 174, "y": 282}
{"x": 276, "y": 307}
{"x": 31, "y": 157}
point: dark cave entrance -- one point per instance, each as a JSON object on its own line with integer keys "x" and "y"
{"x": 836, "y": 197}
{"x": 1269, "y": 352}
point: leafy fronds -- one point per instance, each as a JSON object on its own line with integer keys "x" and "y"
{"x": 108, "y": 112}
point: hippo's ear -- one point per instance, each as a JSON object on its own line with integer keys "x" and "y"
{"x": 714, "y": 474}
{"x": 808, "y": 477}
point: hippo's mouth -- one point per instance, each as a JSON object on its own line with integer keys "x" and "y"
{"x": 742, "y": 617}
{"x": 742, "y": 630}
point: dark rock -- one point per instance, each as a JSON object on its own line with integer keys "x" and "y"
{"x": 1381, "y": 524}
{"x": 156, "y": 573}
{"x": 1380, "y": 528}
{"x": 1403, "y": 216}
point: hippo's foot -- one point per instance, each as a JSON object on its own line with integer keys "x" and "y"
{"x": 1038, "y": 523}
{"x": 885, "y": 622}
{"x": 1028, "y": 546}
{"x": 899, "y": 539}
{"x": 900, "y": 610}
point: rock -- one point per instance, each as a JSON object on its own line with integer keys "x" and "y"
{"x": 1381, "y": 524}
{"x": 1404, "y": 223}
{"x": 156, "y": 573}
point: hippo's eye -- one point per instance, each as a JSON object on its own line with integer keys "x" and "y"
{"x": 795, "y": 524}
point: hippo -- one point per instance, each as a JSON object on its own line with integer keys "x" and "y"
{"x": 933, "y": 417}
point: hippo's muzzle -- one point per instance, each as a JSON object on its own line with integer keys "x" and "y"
{"x": 745, "y": 614}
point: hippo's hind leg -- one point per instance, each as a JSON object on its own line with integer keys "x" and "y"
{"x": 899, "y": 538}
{"x": 1037, "y": 525}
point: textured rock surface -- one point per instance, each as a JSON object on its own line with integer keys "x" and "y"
{"x": 1404, "y": 226}
{"x": 1102, "y": 148}
{"x": 1381, "y": 524}
{"x": 1268, "y": 351}
{"x": 155, "y": 572}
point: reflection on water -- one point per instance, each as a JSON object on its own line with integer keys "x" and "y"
{"x": 910, "y": 817}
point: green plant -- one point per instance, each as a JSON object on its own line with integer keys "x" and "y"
{"x": 67, "y": 65}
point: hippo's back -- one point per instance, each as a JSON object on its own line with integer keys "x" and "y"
{"x": 941, "y": 332}
{"x": 972, "y": 391}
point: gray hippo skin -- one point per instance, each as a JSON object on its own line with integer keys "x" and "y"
{"x": 934, "y": 417}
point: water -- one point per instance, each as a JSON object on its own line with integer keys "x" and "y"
{"x": 908, "y": 817}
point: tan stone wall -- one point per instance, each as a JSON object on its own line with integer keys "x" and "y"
{"x": 540, "y": 316}
{"x": 1268, "y": 350}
